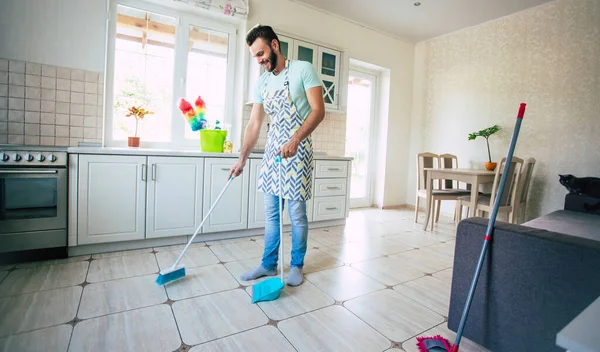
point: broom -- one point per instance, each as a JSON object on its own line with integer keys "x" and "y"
{"x": 438, "y": 343}
{"x": 176, "y": 271}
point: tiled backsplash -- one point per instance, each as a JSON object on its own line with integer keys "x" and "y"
{"x": 329, "y": 137}
{"x": 49, "y": 105}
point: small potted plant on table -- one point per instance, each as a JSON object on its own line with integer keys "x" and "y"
{"x": 139, "y": 114}
{"x": 486, "y": 133}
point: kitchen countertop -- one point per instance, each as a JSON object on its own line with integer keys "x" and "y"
{"x": 177, "y": 152}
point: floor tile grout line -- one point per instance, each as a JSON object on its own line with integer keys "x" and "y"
{"x": 33, "y": 330}
{"x": 41, "y": 264}
{"x": 176, "y": 324}
{"x": 369, "y": 325}
{"x": 38, "y": 291}
{"x": 421, "y": 304}
{"x": 79, "y": 304}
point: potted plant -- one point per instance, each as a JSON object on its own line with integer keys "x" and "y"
{"x": 139, "y": 114}
{"x": 486, "y": 133}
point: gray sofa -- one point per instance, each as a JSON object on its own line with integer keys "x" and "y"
{"x": 536, "y": 277}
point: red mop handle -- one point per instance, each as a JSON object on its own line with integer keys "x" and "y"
{"x": 521, "y": 111}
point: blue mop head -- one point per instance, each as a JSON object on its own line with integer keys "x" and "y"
{"x": 166, "y": 276}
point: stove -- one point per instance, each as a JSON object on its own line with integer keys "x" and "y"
{"x": 33, "y": 197}
{"x": 32, "y": 156}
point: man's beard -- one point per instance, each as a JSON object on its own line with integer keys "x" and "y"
{"x": 272, "y": 59}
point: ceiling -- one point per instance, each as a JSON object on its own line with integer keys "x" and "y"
{"x": 403, "y": 20}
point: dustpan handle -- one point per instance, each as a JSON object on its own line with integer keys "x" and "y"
{"x": 278, "y": 160}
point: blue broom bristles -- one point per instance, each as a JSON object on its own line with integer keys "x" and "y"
{"x": 170, "y": 276}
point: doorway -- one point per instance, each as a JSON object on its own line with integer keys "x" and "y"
{"x": 360, "y": 126}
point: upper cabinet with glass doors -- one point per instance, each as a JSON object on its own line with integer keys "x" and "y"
{"x": 325, "y": 60}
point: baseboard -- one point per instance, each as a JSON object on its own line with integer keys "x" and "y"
{"x": 167, "y": 241}
{"x": 399, "y": 207}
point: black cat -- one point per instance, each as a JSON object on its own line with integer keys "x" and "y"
{"x": 589, "y": 186}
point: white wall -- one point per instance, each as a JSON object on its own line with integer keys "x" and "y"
{"x": 67, "y": 33}
{"x": 364, "y": 45}
{"x": 547, "y": 57}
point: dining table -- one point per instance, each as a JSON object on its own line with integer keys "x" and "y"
{"x": 474, "y": 177}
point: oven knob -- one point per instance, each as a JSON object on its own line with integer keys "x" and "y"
{"x": 28, "y": 157}
{"x": 41, "y": 158}
{"x": 4, "y": 157}
{"x": 17, "y": 157}
{"x": 52, "y": 158}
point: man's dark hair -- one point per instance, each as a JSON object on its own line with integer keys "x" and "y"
{"x": 260, "y": 31}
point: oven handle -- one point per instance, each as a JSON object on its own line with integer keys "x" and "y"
{"x": 29, "y": 172}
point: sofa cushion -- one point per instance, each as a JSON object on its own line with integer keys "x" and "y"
{"x": 569, "y": 222}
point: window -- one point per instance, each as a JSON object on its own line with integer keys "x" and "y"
{"x": 206, "y": 72}
{"x": 157, "y": 56}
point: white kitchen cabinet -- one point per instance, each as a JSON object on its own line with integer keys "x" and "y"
{"x": 329, "y": 208}
{"x": 326, "y": 61}
{"x": 305, "y": 51}
{"x": 256, "y": 198}
{"x": 174, "y": 202}
{"x": 286, "y": 46}
{"x": 111, "y": 198}
{"x": 231, "y": 213}
{"x": 328, "y": 69}
{"x": 119, "y": 200}
{"x": 331, "y": 169}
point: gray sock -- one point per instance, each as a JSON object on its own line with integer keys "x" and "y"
{"x": 256, "y": 273}
{"x": 295, "y": 278}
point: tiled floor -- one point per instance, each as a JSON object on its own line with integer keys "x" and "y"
{"x": 373, "y": 285}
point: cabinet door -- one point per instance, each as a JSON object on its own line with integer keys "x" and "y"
{"x": 329, "y": 72}
{"x": 329, "y": 208}
{"x": 231, "y": 213}
{"x": 256, "y": 200}
{"x": 286, "y": 46}
{"x": 174, "y": 196}
{"x": 304, "y": 51}
{"x": 111, "y": 199}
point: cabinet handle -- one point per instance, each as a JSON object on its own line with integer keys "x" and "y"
{"x": 334, "y": 169}
{"x": 153, "y": 172}
{"x": 225, "y": 169}
{"x": 329, "y": 187}
{"x": 334, "y": 208}
{"x": 144, "y": 172}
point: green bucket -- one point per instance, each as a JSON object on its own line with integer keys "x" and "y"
{"x": 212, "y": 140}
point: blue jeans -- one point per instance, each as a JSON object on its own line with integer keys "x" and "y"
{"x": 299, "y": 220}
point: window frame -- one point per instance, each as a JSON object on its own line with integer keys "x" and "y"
{"x": 178, "y": 123}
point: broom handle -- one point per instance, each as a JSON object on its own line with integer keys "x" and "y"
{"x": 488, "y": 232}
{"x": 202, "y": 223}
{"x": 278, "y": 160}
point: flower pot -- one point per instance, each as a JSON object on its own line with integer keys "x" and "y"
{"x": 490, "y": 166}
{"x": 133, "y": 141}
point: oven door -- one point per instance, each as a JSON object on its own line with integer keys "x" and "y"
{"x": 32, "y": 200}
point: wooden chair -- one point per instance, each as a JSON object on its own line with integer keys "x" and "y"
{"x": 424, "y": 160}
{"x": 526, "y": 180}
{"x": 450, "y": 161}
{"x": 427, "y": 160}
{"x": 508, "y": 202}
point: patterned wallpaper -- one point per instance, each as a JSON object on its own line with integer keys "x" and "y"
{"x": 548, "y": 57}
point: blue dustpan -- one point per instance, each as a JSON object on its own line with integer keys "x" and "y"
{"x": 267, "y": 290}
{"x": 270, "y": 289}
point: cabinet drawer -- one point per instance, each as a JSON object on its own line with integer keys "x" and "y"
{"x": 331, "y": 168}
{"x": 328, "y": 208}
{"x": 325, "y": 187}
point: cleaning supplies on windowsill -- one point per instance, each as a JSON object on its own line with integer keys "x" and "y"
{"x": 212, "y": 139}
